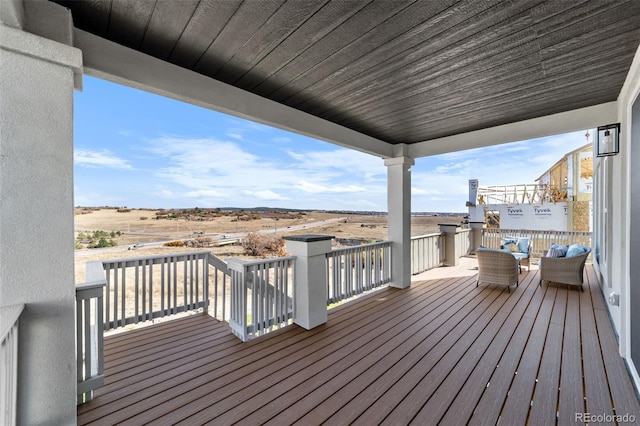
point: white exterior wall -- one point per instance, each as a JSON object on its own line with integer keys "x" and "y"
{"x": 36, "y": 219}
{"x": 612, "y": 210}
{"x": 620, "y": 199}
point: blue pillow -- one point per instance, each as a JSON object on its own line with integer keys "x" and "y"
{"x": 508, "y": 240}
{"x": 523, "y": 245}
{"x": 576, "y": 250}
{"x": 556, "y": 250}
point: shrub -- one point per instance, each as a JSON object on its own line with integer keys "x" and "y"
{"x": 174, "y": 244}
{"x": 260, "y": 246}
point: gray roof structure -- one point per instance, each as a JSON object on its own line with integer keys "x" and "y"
{"x": 399, "y": 71}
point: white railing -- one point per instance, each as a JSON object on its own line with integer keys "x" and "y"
{"x": 427, "y": 252}
{"x": 9, "y": 319}
{"x": 145, "y": 288}
{"x": 89, "y": 332}
{"x": 354, "y": 270}
{"x": 540, "y": 240}
{"x": 262, "y": 294}
{"x": 463, "y": 242}
{"x": 219, "y": 289}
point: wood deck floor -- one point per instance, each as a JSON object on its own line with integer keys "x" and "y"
{"x": 440, "y": 352}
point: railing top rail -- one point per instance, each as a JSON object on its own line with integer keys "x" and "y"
{"x": 506, "y": 231}
{"x": 435, "y": 234}
{"x": 8, "y": 317}
{"x": 364, "y": 246}
{"x": 259, "y": 261}
{"x": 216, "y": 262}
{"x": 90, "y": 285}
{"x": 156, "y": 256}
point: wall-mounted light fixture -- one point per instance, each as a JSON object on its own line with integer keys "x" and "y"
{"x": 608, "y": 140}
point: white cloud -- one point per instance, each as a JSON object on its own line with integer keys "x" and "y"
{"x": 102, "y": 158}
{"x": 237, "y": 136}
{"x": 343, "y": 160}
{"x": 205, "y": 193}
{"x": 315, "y": 188}
{"x": 265, "y": 195}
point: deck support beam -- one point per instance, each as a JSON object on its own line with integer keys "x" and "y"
{"x": 36, "y": 207}
{"x": 399, "y": 220}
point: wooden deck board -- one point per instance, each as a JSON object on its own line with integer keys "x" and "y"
{"x": 440, "y": 351}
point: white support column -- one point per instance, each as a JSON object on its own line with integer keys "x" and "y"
{"x": 476, "y": 235}
{"x": 36, "y": 218}
{"x": 449, "y": 229}
{"x": 311, "y": 278}
{"x": 399, "y": 220}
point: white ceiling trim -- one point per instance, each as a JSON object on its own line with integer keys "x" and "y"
{"x": 110, "y": 61}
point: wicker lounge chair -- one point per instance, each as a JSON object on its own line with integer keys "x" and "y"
{"x": 497, "y": 267}
{"x": 564, "y": 270}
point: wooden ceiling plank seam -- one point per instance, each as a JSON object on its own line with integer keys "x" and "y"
{"x": 457, "y": 107}
{"x": 167, "y": 23}
{"x": 514, "y": 73}
{"x": 478, "y": 60}
{"x": 192, "y": 45}
{"x": 387, "y": 88}
{"x": 349, "y": 56}
{"x": 549, "y": 85}
{"x": 582, "y": 56}
{"x": 294, "y": 18}
{"x": 125, "y": 22}
{"x": 495, "y": 116}
{"x": 592, "y": 24}
{"x": 393, "y": 48}
{"x": 584, "y": 13}
{"x": 246, "y": 20}
{"x": 436, "y": 91}
{"x": 83, "y": 16}
{"x": 146, "y": 24}
{"x": 551, "y": 9}
{"x": 287, "y": 51}
{"x": 387, "y": 92}
{"x": 445, "y": 91}
{"x": 616, "y": 34}
{"x": 443, "y": 56}
{"x": 368, "y": 64}
{"x": 346, "y": 36}
{"x": 573, "y": 120}
{"x": 465, "y": 32}
{"x": 179, "y": 37}
{"x": 473, "y": 122}
{"x": 499, "y": 121}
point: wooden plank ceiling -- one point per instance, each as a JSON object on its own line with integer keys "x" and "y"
{"x": 399, "y": 71}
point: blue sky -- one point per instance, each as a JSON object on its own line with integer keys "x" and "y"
{"x": 137, "y": 149}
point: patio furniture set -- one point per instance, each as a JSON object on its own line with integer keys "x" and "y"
{"x": 560, "y": 264}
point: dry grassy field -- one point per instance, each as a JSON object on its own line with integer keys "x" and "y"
{"x": 142, "y": 227}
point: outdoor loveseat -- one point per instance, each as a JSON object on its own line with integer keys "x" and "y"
{"x": 568, "y": 269}
{"x": 497, "y": 267}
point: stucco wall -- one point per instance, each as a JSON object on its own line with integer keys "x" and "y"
{"x": 36, "y": 219}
